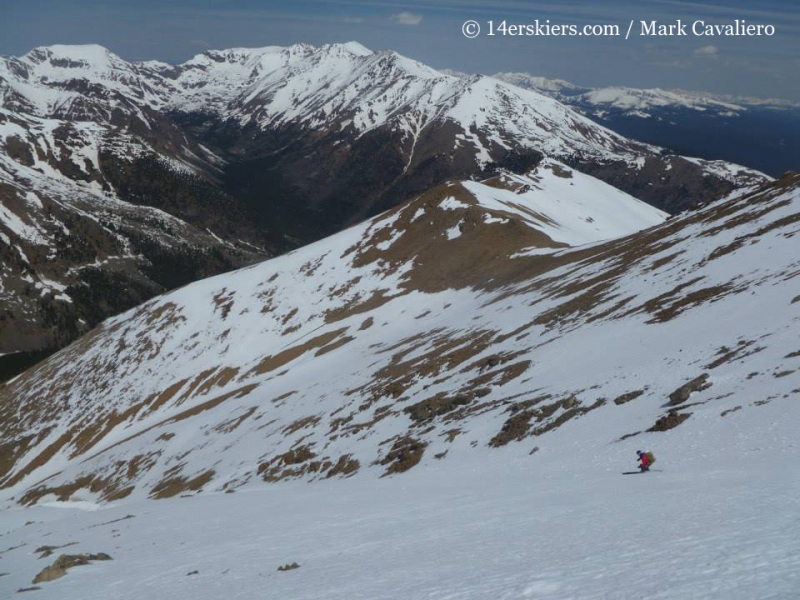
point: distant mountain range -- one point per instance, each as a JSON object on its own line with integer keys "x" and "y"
{"x": 763, "y": 134}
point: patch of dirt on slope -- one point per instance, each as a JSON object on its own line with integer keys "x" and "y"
{"x": 64, "y": 492}
{"x": 221, "y": 378}
{"x": 114, "y": 484}
{"x": 192, "y": 387}
{"x": 297, "y": 455}
{"x": 669, "y": 421}
{"x": 627, "y": 397}
{"x": 284, "y": 357}
{"x": 223, "y": 302}
{"x": 164, "y": 397}
{"x": 173, "y": 483}
{"x": 444, "y": 352}
{"x": 694, "y": 299}
{"x": 440, "y": 404}
{"x": 232, "y": 424}
{"x": 66, "y": 561}
{"x": 379, "y": 415}
{"x": 681, "y": 395}
{"x": 294, "y": 463}
{"x": 500, "y": 377}
{"x": 566, "y": 416}
{"x": 523, "y": 415}
{"x": 186, "y": 414}
{"x": 405, "y": 453}
{"x": 168, "y": 315}
{"x": 334, "y": 345}
{"x": 345, "y": 466}
{"x": 727, "y": 355}
{"x": 357, "y": 305}
{"x": 302, "y": 423}
{"x": 518, "y": 424}
{"x": 478, "y": 256}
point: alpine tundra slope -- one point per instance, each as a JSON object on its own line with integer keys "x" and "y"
{"x": 436, "y": 403}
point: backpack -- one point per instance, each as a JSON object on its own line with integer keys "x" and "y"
{"x": 650, "y": 458}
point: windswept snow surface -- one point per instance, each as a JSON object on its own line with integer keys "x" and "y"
{"x": 716, "y": 520}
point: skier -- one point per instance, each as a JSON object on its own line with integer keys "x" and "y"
{"x": 645, "y": 460}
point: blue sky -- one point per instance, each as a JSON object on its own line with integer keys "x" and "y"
{"x": 430, "y": 31}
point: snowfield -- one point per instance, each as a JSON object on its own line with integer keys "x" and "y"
{"x": 717, "y": 519}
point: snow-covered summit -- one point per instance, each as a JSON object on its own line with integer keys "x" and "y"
{"x": 334, "y": 85}
{"x": 630, "y": 99}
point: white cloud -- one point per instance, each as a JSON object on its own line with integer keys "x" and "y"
{"x": 707, "y": 51}
{"x": 407, "y": 18}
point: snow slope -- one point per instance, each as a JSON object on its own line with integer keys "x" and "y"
{"x": 463, "y": 390}
{"x": 579, "y": 209}
{"x": 446, "y": 321}
{"x": 718, "y": 520}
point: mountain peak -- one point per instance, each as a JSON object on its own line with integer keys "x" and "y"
{"x": 78, "y": 55}
{"x": 355, "y": 48}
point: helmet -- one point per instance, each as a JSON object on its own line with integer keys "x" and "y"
{"x": 639, "y": 453}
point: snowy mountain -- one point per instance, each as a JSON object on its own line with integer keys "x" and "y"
{"x": 636, "y": 101}
{"x": 441, "y": 400}
{"x": 763, "y": 134}
{"x": 479, "y": 315}
{"x": 463, "y": 378}
{"x": 121, "y": 180}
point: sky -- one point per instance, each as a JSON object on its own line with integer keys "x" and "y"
{"x": 431, "y": 32}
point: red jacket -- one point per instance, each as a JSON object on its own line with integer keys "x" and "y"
{"x": 644, "y": 459}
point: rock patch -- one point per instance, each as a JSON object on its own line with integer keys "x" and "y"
{"x": 66, "y": 561}
{"x": 681, "y": 395}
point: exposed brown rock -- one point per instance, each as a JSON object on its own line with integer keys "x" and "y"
{"x": 45, "y": 551}
{"x": 405, "y": 453}
{"x": 66, "y": 561}
{"x": 427, "y": 410}
{"x": 682, "y": 394}
{"x": 345, "y": 466}
{"x": 669, "y": 421}
{"x": 174, "y": 484}
{"x": 627, "y": 397}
